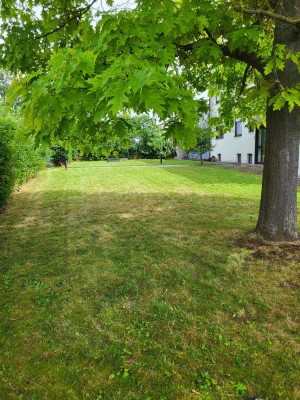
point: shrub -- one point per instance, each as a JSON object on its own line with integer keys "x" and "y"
{"x": 27, "y": 160}
{"x": 92, "y": 157}
{"x": 59, "y": 156}
{"x": 7, "y": 177}
{"x": 19, "y": 160}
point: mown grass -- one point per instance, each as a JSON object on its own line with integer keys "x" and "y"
{"x": 145, "y": 283}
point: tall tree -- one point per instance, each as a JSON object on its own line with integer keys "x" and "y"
{"x": 278, "y": 209}
{"x": 83, "y": 66}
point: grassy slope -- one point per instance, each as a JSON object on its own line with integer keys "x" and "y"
{"x": 133, "y": 283}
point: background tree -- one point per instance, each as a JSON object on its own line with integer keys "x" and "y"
{"x": 144, "y": 138}
{"x": 59, "y": 156}
{"x": 147, "y": 138}
{"x": 82, "y": 71}
{"x": 204, "y": 142}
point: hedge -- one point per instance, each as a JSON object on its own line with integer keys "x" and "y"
{"x": 19, "y": 160}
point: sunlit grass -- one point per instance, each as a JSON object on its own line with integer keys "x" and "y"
{"x": 130, "y": 282}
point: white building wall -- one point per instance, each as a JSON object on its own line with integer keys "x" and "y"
{"x": 227, "y": 148}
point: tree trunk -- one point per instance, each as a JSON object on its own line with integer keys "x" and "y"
{"x": 278, "y": 209}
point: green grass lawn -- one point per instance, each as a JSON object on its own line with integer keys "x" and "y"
{"x": 130, "y": 281}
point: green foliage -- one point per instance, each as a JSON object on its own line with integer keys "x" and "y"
{"x": 204, "y": 143}
{"x": 7, "y": 129}
{"x": 205, "y": 383}
{"x": 94, "y": 156}
{"x": 27, "y": 159}
{"x": 59, "y": 156}
{"x": 143, "y": 138}
{"x": 4, "y": 84}
{"x": 19, "y": 160}
{"x": 290, "y": 96}
{"x": 85, "y": 69}
{"x": 147, "y": 139}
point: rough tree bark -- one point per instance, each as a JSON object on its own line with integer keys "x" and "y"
{"x": 278, "y": 209}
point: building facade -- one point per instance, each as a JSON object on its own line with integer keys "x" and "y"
{"x": 243, "y": 144}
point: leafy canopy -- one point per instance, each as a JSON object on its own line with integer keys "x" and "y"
{"x": 79, "y": 68}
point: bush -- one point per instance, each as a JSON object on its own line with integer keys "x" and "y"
{"x": 59, "y": 156}
{"x": 19, "y": 160}
{"x": 92, "y": 157}
{"x": 27, "y": 160}
{"x": 7, "y": 177}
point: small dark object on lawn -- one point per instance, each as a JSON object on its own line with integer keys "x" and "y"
{"x": 252, "y": 398}
{"x": 212, "y": 159}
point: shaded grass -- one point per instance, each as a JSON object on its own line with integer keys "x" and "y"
{"x": 133, "y": 283}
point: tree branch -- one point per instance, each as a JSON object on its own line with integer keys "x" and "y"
{"x": 79, "y": 14}
{"x": 248, "y": 58}
{"x": 248, "y": 67}
{"x": 259, "y": 12}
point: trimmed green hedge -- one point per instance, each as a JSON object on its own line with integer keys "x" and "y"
{"x": 27, "y": 160}
{"x": 7, "y": 176}
{"x": 19, "y": 160}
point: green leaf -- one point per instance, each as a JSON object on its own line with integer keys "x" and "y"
{"x": 140, "y": 78}
{"x": 117, "y": 104}
{"x": 152, "y": 100}
{"x": 278, "y": 102}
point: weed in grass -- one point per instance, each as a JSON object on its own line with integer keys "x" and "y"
{"x": 240, "y": 388}
{"x": 7, "y": 281}
{"x": 43, "y": 300}
{"x": 141, "y": 328}
{"x": 205, "y": 383}
{"x": 34, "y": 284}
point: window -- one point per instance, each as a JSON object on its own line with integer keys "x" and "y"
{"x": 251, "y": 128}
{"x": 238, "y": 128}
{"x": 250, "y": 158}
{"x": 239, "y": 158}
{"x": 219, "y": 157}
{"x": 260, "y": 145}
{"x": 220, "y": 134}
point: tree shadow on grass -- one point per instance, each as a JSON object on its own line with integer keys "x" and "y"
{"x": 128, "y": 296}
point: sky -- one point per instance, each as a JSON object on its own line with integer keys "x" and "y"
{"x": 101, "y": 6}
{"x": 119, "y": 4}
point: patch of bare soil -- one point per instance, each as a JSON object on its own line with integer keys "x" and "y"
{"x": 278, "y": 256}
{"x": 271, "y": 251}
{"x": 289, "y": 283}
